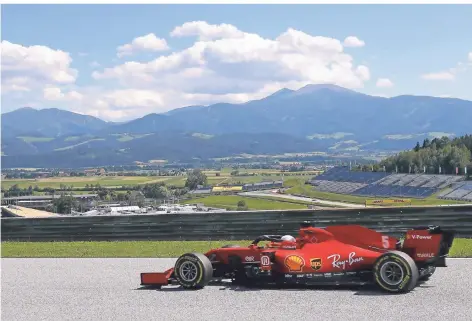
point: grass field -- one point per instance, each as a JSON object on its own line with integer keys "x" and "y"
{"x": 158, "y": 249}
{"x": 179, "y": 181}
{"x": 55, "y": 182}
{"x": 230, "y": 202}
{"x": 298, "y": 187}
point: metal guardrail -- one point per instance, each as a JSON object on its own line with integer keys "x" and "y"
{"x": 230, "y": 225}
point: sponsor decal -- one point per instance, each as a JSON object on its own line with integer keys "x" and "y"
{"x": 351, "y": 273}
{"x": 265, "y": 260}
{"x": 338, "y": 274}
{"x": 327, "y": 275}
{"x": 425, "y": 255}
{"x": 294, "y": 263}
{"x": 317, "y": 275}
{"x": 288, "y": 247}
{"x": 349, "y": 261}
{"x": 249, "y": 258}
{"x": 315, "y": 263}
{"x": 421, "y": 237}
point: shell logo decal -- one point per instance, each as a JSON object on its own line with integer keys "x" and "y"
{"x": 294, "y": 263}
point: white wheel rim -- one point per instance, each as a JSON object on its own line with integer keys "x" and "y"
{"x": 392, "y": 273}
{"x": 188, "y": 271}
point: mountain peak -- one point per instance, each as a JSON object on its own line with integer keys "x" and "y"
{"x": 318, "y": 87}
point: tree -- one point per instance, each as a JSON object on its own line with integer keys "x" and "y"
{"x": 65, "y": 204}
{"x": 195, "y": 178}
{"x": 417, "y": 147}
{"x": 242, "y": 205}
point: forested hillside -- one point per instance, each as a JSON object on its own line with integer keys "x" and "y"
{"x": 444, "y": 152}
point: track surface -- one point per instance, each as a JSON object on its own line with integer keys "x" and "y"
{"x": 108, "y": 289}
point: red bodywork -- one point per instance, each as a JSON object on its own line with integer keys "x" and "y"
{"x": 341, "y": 248}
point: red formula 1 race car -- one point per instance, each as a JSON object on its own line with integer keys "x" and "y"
{"x": 344, "y": 254}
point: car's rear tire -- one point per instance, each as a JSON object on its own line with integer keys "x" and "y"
{"x": 395, "y": 272}
{"x": 193, "y": 270}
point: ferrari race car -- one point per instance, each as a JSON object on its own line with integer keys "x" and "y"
{"x": 343, "y": 254}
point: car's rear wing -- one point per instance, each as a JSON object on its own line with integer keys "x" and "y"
{"x": 428, "y": 245}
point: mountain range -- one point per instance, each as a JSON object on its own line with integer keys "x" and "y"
{"x": 314, "y": 118}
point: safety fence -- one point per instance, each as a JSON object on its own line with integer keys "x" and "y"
{"x": 230, "y": 225}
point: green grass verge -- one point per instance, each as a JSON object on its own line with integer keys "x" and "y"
{"x": 231, "y": 202}
{"x": 158, "y": 249}
{"x": 108, "y": 249}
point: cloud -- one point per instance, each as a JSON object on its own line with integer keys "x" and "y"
{"x": 444, "y": 75}
{"x": 228, "y": 60}
{"x": 352, "y": 41}
{"x": 56, "y": 94}
{"x": 148, "y": 42}
{"x": 206, "y": 32}
{"x": 26, "y": 68}
{"x": 451, "y": 73}
{"x": 223, "y": 64}
{"x": 384, "y": 83}
{"x": 94, "y": 64}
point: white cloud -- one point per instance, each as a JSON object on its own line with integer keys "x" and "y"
{"x": 148, "y": 42}
{"x": 232, "y": 61}
{"x": 56, "y": 94}
{"x": 444, "y": 75}
{"x": 25, "y": 68}
{"x": 352, "y": 41}
{"x": 94, "y": 64}
{"x": 451, "y": 73}
{"x": 224, "y": 64}
{"x": 384, "y": 83}
{"x": 132, "y": 98}
{"x": 206, "y": 31}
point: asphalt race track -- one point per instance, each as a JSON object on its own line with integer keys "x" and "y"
{"x": 108, "y": 289}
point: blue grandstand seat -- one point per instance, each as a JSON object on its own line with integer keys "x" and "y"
{"x": 343, "y": 174}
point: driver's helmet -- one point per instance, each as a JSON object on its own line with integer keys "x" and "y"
{"x": 288, "y": 238}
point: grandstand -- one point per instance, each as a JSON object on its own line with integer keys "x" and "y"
{"x": 262, "y": 185}
{"x": 343, "y": 174}
{"x": 342, "y": 180}
{"x": 337, "y": 187}
{"x": 458, "y": 192}
{"x": 420, "y": 180}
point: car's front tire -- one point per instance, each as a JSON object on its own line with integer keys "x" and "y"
{"x": 193, "y": 270}
{"x": 395, "y": 272}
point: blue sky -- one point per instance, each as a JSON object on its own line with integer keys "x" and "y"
{"x": 401, "y": 43}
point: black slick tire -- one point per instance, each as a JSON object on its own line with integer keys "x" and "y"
{"x": 395, "y": 272}
{"x": 193, "y": 271}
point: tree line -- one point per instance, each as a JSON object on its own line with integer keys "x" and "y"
{"x": 438, "y": 156}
